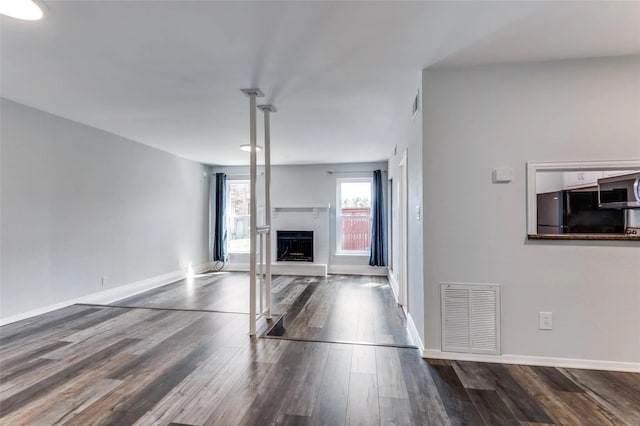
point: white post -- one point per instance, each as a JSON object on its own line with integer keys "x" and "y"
{"x": 260, "y": 294}
{"x": 252, "y": 93}
{"x": 267, "y": 191}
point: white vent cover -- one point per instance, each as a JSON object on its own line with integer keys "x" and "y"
{"x": 470, "y": 318}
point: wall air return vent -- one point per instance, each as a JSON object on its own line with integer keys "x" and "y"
{"x": 470, "y": 318}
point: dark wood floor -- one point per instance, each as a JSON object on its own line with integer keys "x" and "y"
{"x": 96, "y": 365}
{"x": 343, "y": 308}
{"x": 213, "y": 291}
{"x": 338, "y": 308}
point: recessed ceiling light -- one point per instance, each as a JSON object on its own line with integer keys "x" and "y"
{"x": 28, "y": 10}
{"x": 246, "y": 147}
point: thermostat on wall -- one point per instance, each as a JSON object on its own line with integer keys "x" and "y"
{"x": 502, "y": 174}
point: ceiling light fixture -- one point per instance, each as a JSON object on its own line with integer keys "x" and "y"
{"x": 27, "y": 10}
{"x": 246, "y": 147}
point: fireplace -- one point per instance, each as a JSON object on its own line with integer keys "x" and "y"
{"x": 296, "y": 246}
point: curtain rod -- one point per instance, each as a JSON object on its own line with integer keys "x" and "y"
{"x": 239, "y": 174}
{"x": 331, "y": 172}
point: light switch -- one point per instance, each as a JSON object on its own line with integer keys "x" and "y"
{"x": 502, "y": 174}
{"x": 418, "y": 213}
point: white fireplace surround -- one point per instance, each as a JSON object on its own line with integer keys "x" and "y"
{"x": 298, "y": 217}
{"x": 303, "y": 217}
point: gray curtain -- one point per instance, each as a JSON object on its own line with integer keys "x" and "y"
{"x": 220, "y": 229}
{"x": 378, "y": 226}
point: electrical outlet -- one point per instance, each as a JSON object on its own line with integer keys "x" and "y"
{"x": 545, "y": 321}
{"x": 105, "y": 281}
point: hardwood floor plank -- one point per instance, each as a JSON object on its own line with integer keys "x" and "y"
{"x": 27, "y": 367}
{"x": 473, "y": 376}
{"x": 343, "y": 309}
{"x": 9, "y": 366}
{"x": 426, "y": 405}
{"x": 524, "y": 408}
{"x": 332, "y": 400}
{"x": 43, "y": 328}
{"x": 492, "y": 408}
{"x": 457, "y": 403}
{"x": 362, "y": 404}
{"x": 134, "y": 408}
{"x": 21, "y": 398}
{"x": 363, "y": 360}
{"x": 544, "y": 394}
{"x": 305, "y": 386}
{"x": 590, "y": 411}
{"x": 199, "y": 399}
{"x": 390, "y": 378}
{"x": 610, "y": 392}
{"x": 394, "y": 411}
{"x": 31, "y": 325}
{"x": 274, "y": 393}
{"x": 69, "y": 398}
{"x": 557, "y": 380}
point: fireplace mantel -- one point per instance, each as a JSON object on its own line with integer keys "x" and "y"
{"x": 312, "y": 207}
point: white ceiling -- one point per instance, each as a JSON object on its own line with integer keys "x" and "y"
{"x": 342, "y": 74}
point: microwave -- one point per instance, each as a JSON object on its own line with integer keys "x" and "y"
{"x": 619, "y": 192}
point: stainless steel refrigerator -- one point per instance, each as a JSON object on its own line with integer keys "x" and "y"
{"x": 551, "y": 213}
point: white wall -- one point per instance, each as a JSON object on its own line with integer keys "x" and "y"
{"x": 410, "y": 142}
{"x": 293, "y": 185}
{"x": 549, "y": 182}
{"x": 78, "y": 204}
{"x": 478, "y": 118}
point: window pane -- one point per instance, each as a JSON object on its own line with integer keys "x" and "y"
{"x": 355, "y": 209}
{"x": 356, "y": 233}
{"x": 238, "y": 198}
{"x": 355, "y": 195}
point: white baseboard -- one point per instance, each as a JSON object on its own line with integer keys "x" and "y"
{"x": 394, "y": 284}
{"x": 312, "y": 269}
{"x": 285, "y": 268}
{"x": 111, "y": 295}
{"x": 589, "y": 364}
{"x": 236, "y": 267}
{"x": 302, "y": 269}
{"x": 413, "y": 333}
{"x": 358, "y": 270}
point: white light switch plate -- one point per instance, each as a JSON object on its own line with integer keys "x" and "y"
{"x": 545, "y": 320}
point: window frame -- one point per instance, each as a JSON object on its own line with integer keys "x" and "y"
{"x": 338, "y": 222}
{"x": 228, "y": 216}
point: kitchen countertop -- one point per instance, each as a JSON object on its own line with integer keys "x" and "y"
{"x": 597, "y": 237}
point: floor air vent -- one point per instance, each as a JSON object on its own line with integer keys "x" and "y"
{"x": 470, "y": 318}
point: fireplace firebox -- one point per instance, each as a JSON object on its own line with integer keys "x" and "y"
{"x": 296, "y": 246}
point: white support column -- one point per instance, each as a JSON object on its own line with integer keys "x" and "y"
{"x": 267, "y": 109}
{"x": 252, "y": 94}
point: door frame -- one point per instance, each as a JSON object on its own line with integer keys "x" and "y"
{"x": 403, "y": 219}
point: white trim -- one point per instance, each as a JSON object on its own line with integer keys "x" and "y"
{"x": 403, "y": 237}
{"x": 590, "y": 364}
{"x": 534, "y": 166}
{"x": 111, "y": 295}
{"x": 302, "y": 206}
{"x": 284, "y": 268}
{"x": 236, "y": 267}
{"x": 312, "y": 269}
{"x": 358, "y": 270}
{"x": 413, "y": 332}
{"x": 393, "y": 283}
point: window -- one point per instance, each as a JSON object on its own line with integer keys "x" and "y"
{"x": 353, "y": 216}
{"x": 238, "y": 216}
